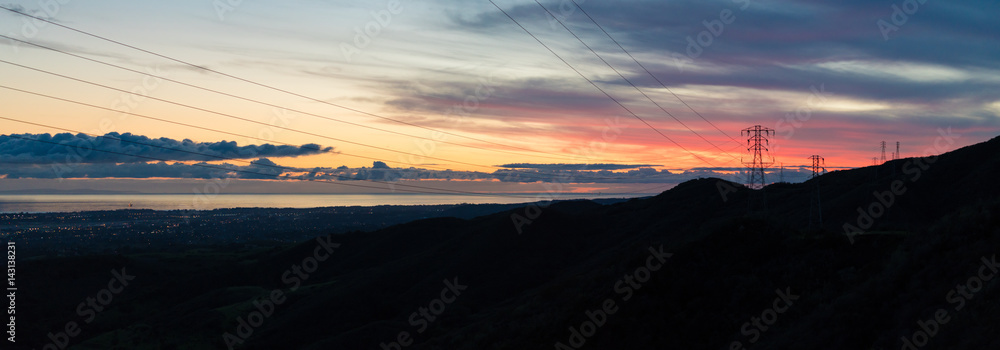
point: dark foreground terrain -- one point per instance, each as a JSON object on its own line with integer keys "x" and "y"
{"x": 698, "y": 267}
{"x": 141, "y": 231}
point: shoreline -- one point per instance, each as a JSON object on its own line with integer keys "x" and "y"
{"x": 76, "y": 203}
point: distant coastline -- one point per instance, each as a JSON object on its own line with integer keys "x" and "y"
{"x": 24, "y": 201}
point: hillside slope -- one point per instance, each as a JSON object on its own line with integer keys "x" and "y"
{"x": 727, "y": 269}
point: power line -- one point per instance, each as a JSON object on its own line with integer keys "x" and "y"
{"x": 313, "y": 99}
{"x": 257, "y": 83}
{"x": 241, "y": 118}
{"x": 270, "y": 104}
{"x": 273, "y": 141}
{"x": 219, "y": 158}
{"x": 630, "y": 82}
{"x": 247, "y": 120}
{"x": 176, "y": 123}
{"x": 596, "y": 86}
{"x": 651, "y": 74}
{"x": 284, "y": 143}
{"x": 266, "y": 174}
{"x": 275, "y": 166}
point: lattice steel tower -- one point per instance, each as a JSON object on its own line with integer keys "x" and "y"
{"x": 817, "y": 165}
{"x": 815, "y": 205}
{"x": 757, "y": 143}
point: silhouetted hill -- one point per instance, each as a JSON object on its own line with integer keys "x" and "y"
{"x": 732, "y": 274}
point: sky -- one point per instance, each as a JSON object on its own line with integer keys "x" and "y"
{"x": 329, "y": 88}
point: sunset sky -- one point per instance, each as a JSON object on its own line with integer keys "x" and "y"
{"x": 856, "y": 72}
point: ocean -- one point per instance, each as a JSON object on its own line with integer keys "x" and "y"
{"x": 53, "y": 203}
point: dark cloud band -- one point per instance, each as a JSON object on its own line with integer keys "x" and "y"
{"x": 576, "y": 166}
{"x": 81, "y": 148}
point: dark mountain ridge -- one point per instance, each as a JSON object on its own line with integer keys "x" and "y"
{"x": 539, "y": 289}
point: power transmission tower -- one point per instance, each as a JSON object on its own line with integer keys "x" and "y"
{"x": 895, "y": 156}
{"x": 781, "y": 173}
{"x": 757, "y": 143}
{"x": 815, "y": 205}
{"x": 817, "y": 165}
{"x": 883, "y": 152}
